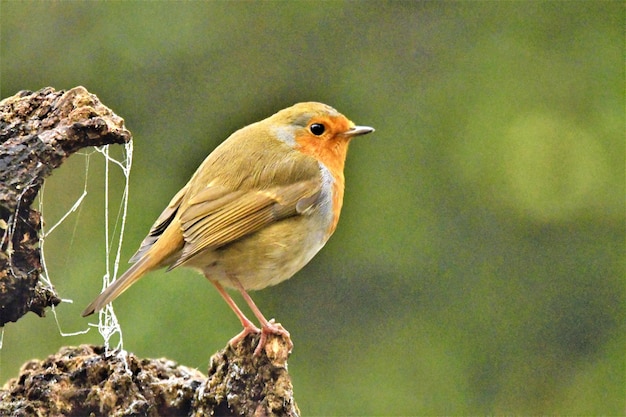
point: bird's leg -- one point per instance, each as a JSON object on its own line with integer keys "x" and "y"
{"x": 248, "y": 326}
{"x": 267, "y": 327}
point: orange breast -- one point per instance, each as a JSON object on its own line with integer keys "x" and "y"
{"x": 331, "y": 152}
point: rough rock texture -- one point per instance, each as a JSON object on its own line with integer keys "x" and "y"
{"x": 88, "y": 381}
{"x": 240, "y": 383}
{"x": 38, "y": 131}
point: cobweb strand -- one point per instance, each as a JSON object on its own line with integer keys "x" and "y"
{"x": 108, "y": 325}
{"x": 45, "y": 275}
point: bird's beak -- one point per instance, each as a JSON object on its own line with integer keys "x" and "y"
{"x": 359, "y": 130}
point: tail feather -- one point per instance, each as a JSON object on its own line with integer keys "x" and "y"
{"x": 120, "y": 285}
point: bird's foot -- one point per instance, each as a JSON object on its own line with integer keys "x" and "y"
{"x": 247, "y": 329}
{"x": 271, "y": 327}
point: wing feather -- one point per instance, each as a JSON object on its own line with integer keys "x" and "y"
{"x": 209, "y": 224}
{"x": 160, "y": 225}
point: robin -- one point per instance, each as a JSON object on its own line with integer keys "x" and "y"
{"x": 256, "y": 211}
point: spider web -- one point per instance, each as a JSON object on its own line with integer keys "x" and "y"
{"x": 115, "y": 222}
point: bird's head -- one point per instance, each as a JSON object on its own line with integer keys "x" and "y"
{"x": 317, "y": 130}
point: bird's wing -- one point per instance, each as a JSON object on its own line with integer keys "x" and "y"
{"x": 215, "y": 217}
{"x": 160, "y": 224}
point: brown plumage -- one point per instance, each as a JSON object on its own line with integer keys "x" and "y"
{"x": 258, "y": 208}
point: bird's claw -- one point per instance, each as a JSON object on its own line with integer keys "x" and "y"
{"x": 244, "y": 333}
{"x": 271, "y": 327}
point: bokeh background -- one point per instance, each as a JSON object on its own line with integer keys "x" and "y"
{"x": 478, "y": 267}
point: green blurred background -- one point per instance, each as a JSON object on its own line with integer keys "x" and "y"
{"x": 478, "y": 267}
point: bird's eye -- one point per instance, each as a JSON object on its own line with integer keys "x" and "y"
{"x": 317, "y": 129}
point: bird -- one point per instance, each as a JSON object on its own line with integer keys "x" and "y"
{"x": 255, "y": 212}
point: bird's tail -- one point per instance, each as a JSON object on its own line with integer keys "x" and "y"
{"x": 121, "y": 284}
